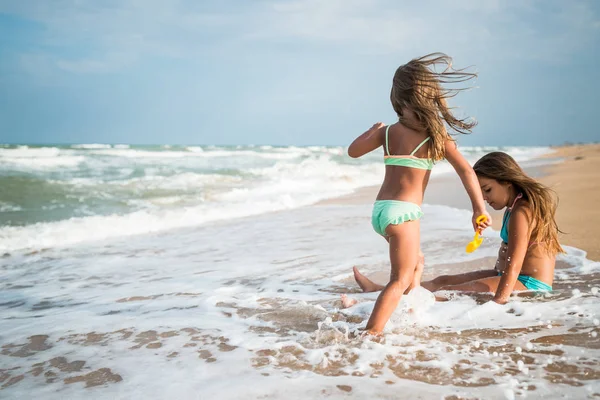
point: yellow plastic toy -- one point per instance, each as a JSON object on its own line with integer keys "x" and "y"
{"x": 477, "y": 240}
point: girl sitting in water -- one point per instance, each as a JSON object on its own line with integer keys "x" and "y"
{"x": 529, "y": 235}
{"x": 410, "y": 148}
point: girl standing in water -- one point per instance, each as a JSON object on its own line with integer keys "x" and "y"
{"x": 410, "y": 147}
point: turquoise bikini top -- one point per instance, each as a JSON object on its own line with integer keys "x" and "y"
{"x": 506, "y": 218}
{"x": 409, "y": 161}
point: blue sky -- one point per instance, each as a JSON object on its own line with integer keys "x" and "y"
{"x": 288, "y": 72}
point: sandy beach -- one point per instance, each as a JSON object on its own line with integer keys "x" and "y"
{"x": 576, "y": 182}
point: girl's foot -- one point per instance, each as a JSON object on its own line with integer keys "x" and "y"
{"x": 373, "y": 336}
{"x": 348, "y": 302}
{"x": 365, "y": 284}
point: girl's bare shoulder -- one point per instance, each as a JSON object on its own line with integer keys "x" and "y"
{"x": 523, "y": 207}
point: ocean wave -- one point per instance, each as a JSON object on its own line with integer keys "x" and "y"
{"x": 9, "y": 207}
{"x": 169, "y": 188}
{"x": 91, "y": 146}
{"x": 38, "y": 158}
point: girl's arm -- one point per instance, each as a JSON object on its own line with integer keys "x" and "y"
{"x": 470, "y": 182}
{"x": 368, "y": 141}
{"x": 501, "y": 261}
{"x": 518, "y": 242}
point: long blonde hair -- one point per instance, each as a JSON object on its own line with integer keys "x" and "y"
{"x": 418, "y": 87}
{"x": 542, "y": 200}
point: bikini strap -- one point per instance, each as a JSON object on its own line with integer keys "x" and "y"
{"x": 419, "y": 146}
{"x": 516, "y": 198}
{"x": 387, "y": 149}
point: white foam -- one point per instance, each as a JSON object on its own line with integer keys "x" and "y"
{"x": 417, "y": 302}
{"x": 27, "y": 158}
{"x": 43, "y": 163}
{"x": 134, "y": 153}
{"x": 268, "y": 284}
{"x": 26, "y": 152}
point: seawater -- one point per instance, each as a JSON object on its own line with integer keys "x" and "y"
{"x": 248, "y": 305}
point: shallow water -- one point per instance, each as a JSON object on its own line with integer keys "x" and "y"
{"x": 249, "y": 308}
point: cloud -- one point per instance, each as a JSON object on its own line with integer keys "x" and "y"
{"x": 87, "y": 36}
{"x": 111, "y": 62}
{"x": 94, "y": 37}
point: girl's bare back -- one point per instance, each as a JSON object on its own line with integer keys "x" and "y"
{"x": 402, "y": 183}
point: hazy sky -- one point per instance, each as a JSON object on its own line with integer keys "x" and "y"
{"x": 288, "y": 72}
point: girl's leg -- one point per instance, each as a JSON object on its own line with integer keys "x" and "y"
{"x": 418, "y": 272}
{"x": 481, "y": 285}
{"x": 404, "y": 248}
{"x": 369, "y": 286}
{"x": 450, "y": 280}
{"x": 365, "y": 283}
{"x": 477, "y": 281}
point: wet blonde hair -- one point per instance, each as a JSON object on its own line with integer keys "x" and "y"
{"x": 418, "y": 87}
{"x": 542, "y": 200}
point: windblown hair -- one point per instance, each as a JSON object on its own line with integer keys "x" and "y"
{"x": 542, "y": 200}
{"x": 419, "y": 88}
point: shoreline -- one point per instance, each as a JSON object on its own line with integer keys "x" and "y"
{"x": 572, "y": 180}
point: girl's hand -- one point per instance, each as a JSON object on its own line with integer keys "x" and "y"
{"x": 484, "y": 224}
{"x": 377, "y": 125}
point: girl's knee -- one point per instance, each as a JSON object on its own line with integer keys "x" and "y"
{"x": 400, "y": 284}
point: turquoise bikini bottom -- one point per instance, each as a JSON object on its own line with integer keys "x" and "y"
{"x": 393, "y": 212}
{"x": 532, "y": 284}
